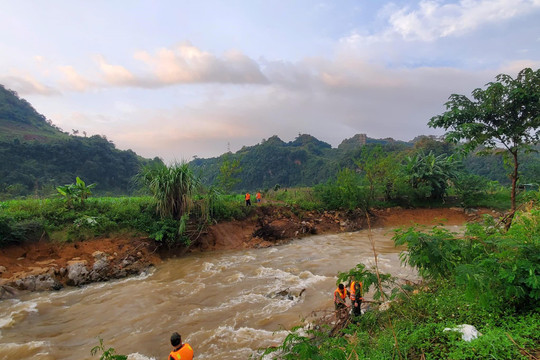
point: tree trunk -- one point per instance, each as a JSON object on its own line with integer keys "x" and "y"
{"x": 508, "y": 221}
{"x": 514, "y": 180}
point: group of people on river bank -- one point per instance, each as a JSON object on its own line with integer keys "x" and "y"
{"x": 354, "y": 293}
{"x": 248, "y": 198}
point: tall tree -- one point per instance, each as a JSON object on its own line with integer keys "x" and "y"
{"x": 227, "y": 172}
{"x": 506, "y": 113}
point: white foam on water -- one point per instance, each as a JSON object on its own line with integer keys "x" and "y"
{"x": 242, "y": 337}
{"x": 100, "y": 285}
{"x": 182, "y": 287}
{"x": 22, "y": 351}
{"x": 242, "y": 299}
{"x": 234, "y": 278}
{"x": 17, "y": 310}
{"x": 279, "y": 305}
{"x": 137, "y": 356}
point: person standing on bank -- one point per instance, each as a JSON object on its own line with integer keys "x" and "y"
{"x": 180, "y": 351}
{"x": 340, "y": 294}
{"x": 248, "y": 199}
{"x": 258, "y": 197}
{"x": 356, "y": 297}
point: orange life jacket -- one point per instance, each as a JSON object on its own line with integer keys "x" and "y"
{"x": 353, "y": 291}
{"x": 258, "y": 195}
{"x": 184, "y": 353}
{"x": 342, "y": 295}
{"x": 248, "y": 196}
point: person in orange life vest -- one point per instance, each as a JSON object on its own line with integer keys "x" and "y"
{"x": 180, "y": 351}
{"x": 248, "y": 199}
{"x": 340, "y": 294}
{"x": 355, "y": 294}
{"x": 258, "y": 196}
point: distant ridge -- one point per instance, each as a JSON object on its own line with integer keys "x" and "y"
{"x": 305, "y": 161}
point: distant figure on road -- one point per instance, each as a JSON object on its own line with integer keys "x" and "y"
{"x": 180, "y": 351}
{"x": 248, "y": 199}
{"x": 258, "y": 196}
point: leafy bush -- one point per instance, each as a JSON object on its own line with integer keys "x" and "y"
{"x": 470, "y": 189}
{"x": 346, "y": 192}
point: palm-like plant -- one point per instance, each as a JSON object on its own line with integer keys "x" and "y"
{"x": 173, "y": 187}
{"x": 431, "y": 172}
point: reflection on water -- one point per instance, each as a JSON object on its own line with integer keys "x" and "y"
{"x": 223, "y": 303}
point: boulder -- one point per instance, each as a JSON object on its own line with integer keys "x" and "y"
{"x": 77, "y": 272}
{"x": 38, "y": 283}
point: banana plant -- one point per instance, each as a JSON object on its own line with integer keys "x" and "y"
{"x": 75, "y": 193}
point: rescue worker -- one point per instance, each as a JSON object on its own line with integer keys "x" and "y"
{"x": 355, "y": 295}
{"x": 180, "y": 351}
{"x": 340, "y": 294}
{"x": 258, "y": 196}
{"x": 248, "y": 199}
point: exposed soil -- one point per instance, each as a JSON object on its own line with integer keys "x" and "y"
{"x": 267, "y": 227}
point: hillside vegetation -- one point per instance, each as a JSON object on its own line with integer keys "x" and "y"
{"x": 36, "y": 156}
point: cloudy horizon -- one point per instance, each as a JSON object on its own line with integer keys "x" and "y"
{"x": 176, "y": 79}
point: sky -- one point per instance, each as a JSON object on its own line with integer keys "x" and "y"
{"x": 178, "y": 79}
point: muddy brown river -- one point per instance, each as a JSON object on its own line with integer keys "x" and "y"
{"x": 222, "y": 303}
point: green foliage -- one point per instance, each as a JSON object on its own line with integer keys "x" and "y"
{"x": 435, "y": 253}
{"x": 506, "y": 113}
{"x": 346, "y": 192}
{"x": 429, "y": 175}
{"x": 470, "y": 189}
{"x": 492, "y": 265}
{"x": 228, "y": 171}
{"x": 75, "y": 193}
{"x": 173, "y": 188}
{"x": 379, "y": 169}
{"x": 107, "y": 354}
{"x": 368, "y": 279}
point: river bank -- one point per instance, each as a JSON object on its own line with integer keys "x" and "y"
{"x": 44, "y": 265}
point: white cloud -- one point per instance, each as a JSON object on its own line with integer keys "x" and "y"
{"x": 27, "y": 85}
{"x": 74, "y": 80}
{"x": 433, "y": 20}
{"x": 187, "y": 64}
{"x": 115, "y": 74}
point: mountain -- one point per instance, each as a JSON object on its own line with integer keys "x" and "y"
{"x": 19, "y": 120}
{"x": 36, "y": 156}
{"x": 305, "y": 161}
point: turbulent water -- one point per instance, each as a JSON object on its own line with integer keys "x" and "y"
{"x": 222, "y": 303}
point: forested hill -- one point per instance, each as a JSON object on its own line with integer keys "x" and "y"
{"x": 36, "y": 156}
{"x": 305, "y": 161}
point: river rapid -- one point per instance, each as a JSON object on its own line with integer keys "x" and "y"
{"x": 222, "y": 303}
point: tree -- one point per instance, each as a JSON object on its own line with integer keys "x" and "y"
{"x": 227, "y": 173}
{"x": 429, "y": 174}
{"x": 506, "y": 113}
{"x": 378, "y": 168}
